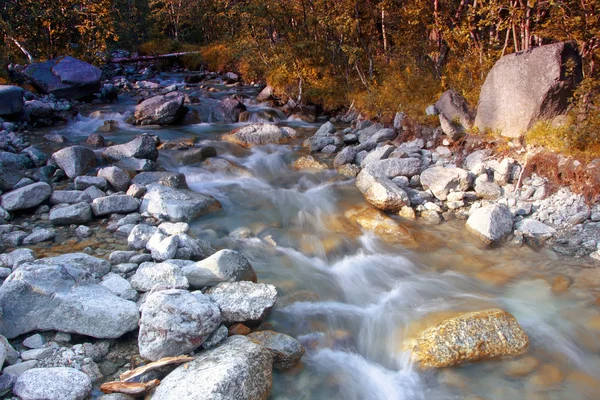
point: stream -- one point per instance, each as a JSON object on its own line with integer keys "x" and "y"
{"x": 355, "y": 301}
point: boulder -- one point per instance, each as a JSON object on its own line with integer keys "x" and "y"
{"x": 195, "y": 155}
{"x": 442, "y": 181}
{"x": 161, "y": 110}
{"x": 17, "y": 257}
{"x": 470, "y": 337}
{"x": 176, "y": 205}
{"x": 380, "y": 191}
{"x": 143, "y": 147}
{"x": 58, "y": 383}
{"x": 116, "y": 177}
{"x": 75, "y": 160}
{"x": 11, "y": 99}
{"x": 79, "y": 213}
{"x": 243, "y": 301}
{"x": 96, "y": 267}
{"x": 117, "y": 204}
{"x": 165, "y": 178}
{"x": 12, "y": 169}
{"x": 65, "y": 77}
{"x": 261, "y": 135}
{"x": 69, "y": 197}
{"x": 533, "y": 229}
{"x": 176, "y": 322}
{"x": 237, "y": 369}
{"x": 83, "y": 182}
{"x": 455, "y": 109}
{"x": 26, "y": 197}
{"x": 382, "y": 135}
{"x": 62, "y": 298}
{"x": 223, "y": 266}
{"x": 228, "y": 111}
{"x": 286, "y": 350}
{"x": 161, "y": 276}
{"x": 529, "y": 86}
{"x": 491, "y": 223}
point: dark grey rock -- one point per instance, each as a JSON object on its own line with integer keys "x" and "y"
{"x": 75, "y": 160}
{"x": 11, "y": 99}
{"x": 79, "y": 213}
{"x": 142, "y": 147}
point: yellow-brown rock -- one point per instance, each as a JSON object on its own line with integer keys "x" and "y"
{"x": 309, "y": 162}
{"x": 470, "y": 337}
{"x": 379, "y": 223}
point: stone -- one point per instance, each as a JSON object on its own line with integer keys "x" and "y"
{"x": 17, "y": 257}
{"x": 380, "y": 191}
{"x": 164, "y": 276}
{"x": 137, "y": 191}
{"x": 528, "y": 86}
{"x": 382, "y": 135}
{"x": 7, "y": 382}
{"x": 18, "y": 369}
{"x": 286, "y": 350}
{"x": 97, "y": 140}
{"x": 195, "y": 155}
{"x": 170, "y": 179}
{"x": 58, "y": 383}
{"x": 531, "y": 228}
{"x": 162, "y": 247}
{"x": 345, "y": 156}
{"x": 243, "y": 301}
{"x": 117, "y": 204}
{"x": 197, "y": 249}
{"x": 170, "y": 228}
{"x": 12, "y": 169}
{"x": 176, "y": 205}
{"x": 365, "y": 133}
{"x": 11, "y": 356}
{"x": 476, "y": 158}
{"x": 137, "y": 164}
{"x": 488, "y": 190}
{"x": 267, "y": 94}
{"x": 308, "y": 162}
{"x": 319, "y": 143}
{"x": 83, "y": 231}
{"x": 142, "y": 147}
{"x": 238, "y": 329}
{"x": 14, "y": 239}
{"x": 176, "y": 322}
{"x": 69, "y": 197}
{"x": 327, "y": 129}
{"x": 120, "y": 257}
{"x": 228, "y": 111}
{"x": 454, "y": 107}
{"x": 79, "y": 213}
{"x": 11, "y": 99}
{"x": 407, "y": 212}
{"x": 521, "y": 367}
{"x": 223, "y": 266}
{"x": 470, "y": 337}
{"x": 83, "y": 182}
{"x": 560, "y": 284}
{"x": 491, "y": 223}
{"x": 65, "y": 77}
{"x": 75, "y": 160}
{"x": 442, "y": 181}
{"x": 216, "y": 338}
{"x": 380, "y": 153}
{"x": 237, "y": 369}
{"x": 393, "y": 167}
{"x": 36, "y": 354}
{"x": 96, "y": 267}
{"x": 39, "y": 235}
{"x": 451, "y": 128}
{"x": 26, "y": 197}
{"x": 139, "y": 236}
{"x": 62, "y": 297}
{"x": 260, "y": 135}
{"x": 119, "y": 286}
{"x": 116, "y": 178}
{"x": 161, "y": 110}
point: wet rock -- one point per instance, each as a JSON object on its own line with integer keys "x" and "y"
{"x": 442, "y": 181}
{"x": 164, "y": 275}
{"x": 12, "y": 169}
{"x": 349, "y": 170}
{"x": 176, "y": 322}
{"x": 560, "y": 284}
{"x": 59, "y": 383}
{"x": 470, "y": 337}
{"x": 170, "y": 179}
{"x": 36, "y": 155}
{"x": 243, "y": 301}
{"x": 11, "y": 99}
{"x": 260, "y": 135}
{"x": 382, "y": 225}
{"x": 140, "y": 235}
{"x": 17, "y": 257}
{"x": 26, "y": 197}
{"x": 319, "y": 143}
{"x": 345, "y": 156}
{"x": 195, "y": 155}
{"x": 176, "y": 205}
{"x": 237, "y": 369}
{"x": 115, "y": 176}
{"x": 309, "y": 162}
{"x": 491, "y": 223}
{"x": 223, "y": 266}
{"x": 228, "y": 111}
{"x": 83, "y": 182}
{"x": 380, "y": 191}
{"x": 75, "y": 160}
{"x": 142, "y": 147}
{"x": 79, "y": 213}
{"x": 137, "y": 164}
{"x": 83, "y": 231}
{"x": 39, "y": 235}
{"x": 238, "y": 329}
{"x": 161, "y": 110}
{"x": 69, "y": 197}
{"x": 286, "y": 350}
{"x": 197, "y": 249}
{"x": 118, "y": 204}
{"x": 96, "y": 140}
{"x": 521, "y": 367}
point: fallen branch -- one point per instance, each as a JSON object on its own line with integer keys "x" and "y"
{"x": 152, "y": 57}
{"x": 131, "y": 388}
{"x": 131, "y": 375}
{"x": 23, "y": 49}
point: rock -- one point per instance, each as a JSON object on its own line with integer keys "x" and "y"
{"x": 176, "y": 322}
{"x": 171, "y": 179}
{"x": 17, "y": 257}
{"x": 393, "y": 167}
{"x": 228, "y": 111}
{"x": 26, "y": 197}
{"x": 59, "y": 383}
{"x": 197, "y": 249}
{"x": 345, "y": 156}
{"x": 7, "y": 381}
{"x": 39, "y": 235}
{"x": 75, "y": 160}
{"x": 83, "y": 231}
{"x": 162, "y": 247}
{"x": 267, "y": 94}
{"x": 12, "y": 169}
{"x": 365, "y": 133}
{"x": 243, "y": 301}
{"x": 488, "y": 190}
{"x": 94, "y": 192}
{"x": 120, "y": 257}
{"x": 96, "y": 140}
{"x": 18, "y": 369}
{"x": 11, "y": 356}
{"x": 139, "y": 236}
{"x": 398, "y": 120}
{"x": 69, "y": 197}
{"x": 137, "y": 164}
{"x": 119, "y": 286}
{"x": 327, "y": 129}
{"x": 14, "y": 239}
{"x": 380, "y": 153}
{"x": 237, "y": 369}
{"x": 164, "y": 276}
{"x": 65, "y": 77}
{"x": 382, "y": 135}
{"x": 319, "y": 143}
{"x": 526, "y": 87}
{"x": 79, "y": 213}
{"x": 175, "y": 205}
{"x": 216, "y": 338}
{"x": 137, "y": 191}
{"x": 454, "y": 107}
{"x": 380, "y": 191}
{"x": 96, "y": 267}
{"x": 11, "y": 99}
{"x": 470, "y": 337}
{"x": 36, "y": 354}
{"x": 491, "y": 223}
{"x": 115, "y": 176}
{"x": 117, "y": 204}
{"x": 309, "y": 162}
{"x": 260, "y": 135}
{"x": 61, "y": 297}
{"x": 451, "y": 128}
{"x": 442, "y": 180}
{"x": 143, "y": 147}
{"x": 349, "y": 170}
{"x": 531, "y": 228}
{"x": 382, "y": 225}
{"x": 161, "y": 110}
{"x": 83, "y": 182}
{"x": 195, "y": 155}
{"x": 238, "y": 329}
{"x": 223, "y": 266}
{"x": 286, "y": 350}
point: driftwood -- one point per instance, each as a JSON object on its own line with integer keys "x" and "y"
{"x": 131, "y": 375}
{"x": 131, "y": 388}
{"x": 149, "y": 58}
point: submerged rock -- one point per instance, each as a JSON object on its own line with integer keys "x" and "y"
{"x": 380, "y": 191}
{"x": 260, "y": 135}
{"x": 286, "y": 350}
{"x": 470, "y": 337}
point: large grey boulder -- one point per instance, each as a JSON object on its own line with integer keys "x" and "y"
{"x": 223, "y": 266}
{"x": 143, "y": 147}
{"x": 238, "y": 369}
{"x": 79, "y": 213}
{"x": 59, "y": 383}
{"x": 96, "y": 267}
{"x": 261, "y": 135}
{"x": 165, "y": 178}
{"x": 286, "y": 350}
{"x": 380, "y": 191}
{"x": 62, "y": 298}
{"x": 526, "y": 87}
{"x": 12, "y": 169}
{"x": 491, "y": 223}
{"x": 161, "y": 110}
{"x": 176, "y": 322}
{"x": 165, "y": 275}
{"x": 455, "y": 108}
{"x": 243, "y": 301}
{"x": 116, "y": 177}
{"x": 17, "y": 257}
{"x": 11, "y": 99}
{"x": 26, "y": 197}
{"x": 442, "y": 181}
{"x": 117, "y": 204}
{"x": 65, "y": 77}
{"x": 75, "y": 160}
{"x": 176, "y": 205}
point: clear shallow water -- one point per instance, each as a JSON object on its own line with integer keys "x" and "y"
{"x": 355, "y": 301}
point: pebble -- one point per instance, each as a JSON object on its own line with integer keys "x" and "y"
{"x": 36, "y": 341}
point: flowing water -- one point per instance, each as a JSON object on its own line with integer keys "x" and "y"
{"x": 355, "y": 301}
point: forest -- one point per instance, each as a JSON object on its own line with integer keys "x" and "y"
{"x": 378, "y": 56}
